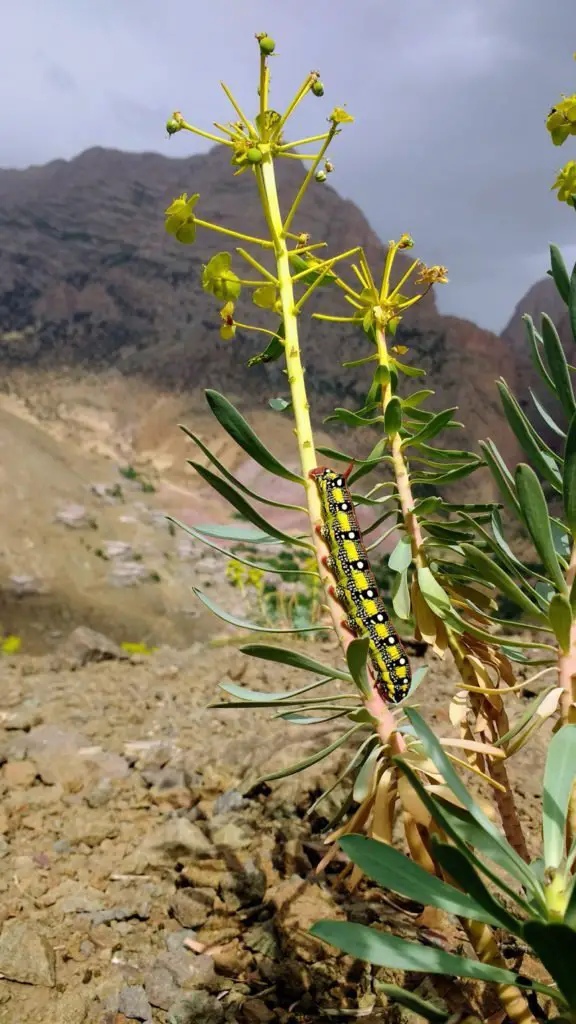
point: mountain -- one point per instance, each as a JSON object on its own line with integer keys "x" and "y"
{"x": 542, "y": 297}
{"x": 89, "y": 279}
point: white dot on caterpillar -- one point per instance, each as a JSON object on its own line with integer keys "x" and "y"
{"x": 379, "y": 617}
{"x": 401, "y": 661}
{"x": 359, "y": 565}
{"x": 344, "y": 506}
{"x": 339, "y": 482}
{"x": 369, "y": 593}
{"x": 351, "y": 535}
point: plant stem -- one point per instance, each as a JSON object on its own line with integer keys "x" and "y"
{"x": 307, "y": 179}
{"x": 513, "y": 1000}
{"x": 567, "y": 662}
{"x": 380, "y": 711}
{"x": 233, "y": 234}
{"x": 206, "y": 135}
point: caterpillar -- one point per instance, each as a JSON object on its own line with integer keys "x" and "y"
{"x": 356, "y": 588}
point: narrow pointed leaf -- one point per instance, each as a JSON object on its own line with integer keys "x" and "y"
{"x": 388, "y": 950}
{"x": 259, "y": 695}
{"x": 559, "y": 273}
{"x": 491, "y": 571}
{"x": 273, "y": 351}
{"x": 559, "y": 775}
{"x": 401, "y": 595}
{"x": 546, "y": 415}
{"x": 393, "y": 416}
{"x": 462, "y": 872}
{"x": 535, "y": 343}
{"x": 558, "y": 365}
{"x": 393, "y": 870}
{"x": 231, "y": 531}
{"x": 413, "y": 1002}
{"x": 560, "y": 615}
{"x": 234, "y": 554}
{"x": 435, "y": 596}
{"x": 431, "y": 429}
{"x": 236, "y": 426}
{"x": 301, "y": 766}
{"x": 244, "y": 624}
{"x": 233, "y": 479}
{"x": 356, "y": 657}
{"x": 401, "y": 557}
{"x": 537, "y": 518}
{"x": 569, "y": 482}
{"x": 234, "y": 498}
{"x": 572, "y": 302}
{"x": 286, "y": 657}
{"x": 416, "y": 398}
{"x": 502, "y": 476}
{"x": 532, "y": 445}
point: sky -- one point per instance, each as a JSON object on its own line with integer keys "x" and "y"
{"x": 449, "y": 99}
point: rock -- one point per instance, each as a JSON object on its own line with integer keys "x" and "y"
{"x": 140, "y": 911}
{"x": 175, "y": 940}
{"x": 133, "y": 1003}
{"x": 128, "y": 574}
{"x": 24, "y": 718}
{"x": 182, "y": 838}
{"x": 189, "y": 970}
{"x": 118, "y": 549}
{"x": 230, "y": 837}
{"x": 100, "y": 794}
{"x": 84, "y": 645}
{"x": 4, "y": 848}
{"x": 161, "y": 988}
{"x": 76, "y": 517}
{"x": 232, "y": 800}
{"x": 71, "y": 1008}
{"x": 49, "y": 739}
{"x": 197, "y": 1008}
{"x": 26, "y": 955}
{"x": 24, "y": 584}
{"x": 191, "y": 907}
{"x": 71, "y": 897}
{"x": 149, "y": 753}
{"x": 19, "y": 774}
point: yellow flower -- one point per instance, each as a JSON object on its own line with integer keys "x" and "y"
{"x": 340, "y": 116}
{"x": 561, "y": 121}
{"x": 219, "y": 279}
{"x": 566, "y": 182}
{"x": 432, "y": 275}
{"x": 406, "y": 241}
{"x": 180, "y": 218}
{"x": 228, "y": 328}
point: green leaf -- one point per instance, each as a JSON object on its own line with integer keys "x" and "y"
{"x": 555, "y": 946}
{"x": 220, "y": 279}
{"x": 528, "y": 715}
{"x": 258, "y": 696}
{"x": 301, "y": 766}
{"x": 356, "y": 657}
{"x": 234, "y": 498}
{"x": 401, "y": 557}
{"x": 390, "y": 951}
{"x": 502, "y": 475}
{"x": 491, "y": 571}
{"x": 401, "y": 595}
{"x": 433, "y": 749}
{"x": 560, "y": 273}
{"x": 418, "y": 676}
{"x": 393, "y": 870}
{"x": 393, "y": 416}
{"x": 559, "y": 774}
{"x": 435, "y": 596}
{"x": 546, "y": 415}
{"x": 273, "y": 350}
{"x": 230, "y": 531}
{"x": 243, "y": 624}
{"x": 229, "y": 553}
{"x": 558, "y": 365}
{"x": 431, "y": 429}
{"x": 569, "y": 482}
{"x": 459, "y": 868}
{"x": 560, "y": 615}
{"x": 236, "y": 426}
{"x": 279, "y": 404}
{"x": 416, "y": 398}
{"x": 535, "y": 343}
{"x": 413, "y": 1002}
{"x": 446, "y": 454}
{"x": 537, "y": 518}
{"x": 266, "y": 296}
{"x": 447, "y": 477}
{"x": 230, "y": 476}
{"x": 572, "y": 302}
{"x": 352, "y": 419}
{"x": 408, "y": 371}
{"x": 296, "y": 660}
{"x": 530, "y": 442}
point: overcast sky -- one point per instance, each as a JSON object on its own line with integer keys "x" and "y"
{"x": 449, "y": 97}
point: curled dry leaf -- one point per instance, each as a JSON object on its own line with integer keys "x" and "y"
{"x": 384, "y": 806}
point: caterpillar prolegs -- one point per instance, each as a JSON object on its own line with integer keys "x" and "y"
{"x": 356, "y": 588}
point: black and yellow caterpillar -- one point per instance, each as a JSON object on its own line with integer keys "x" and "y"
{"x": 356, "y": 588}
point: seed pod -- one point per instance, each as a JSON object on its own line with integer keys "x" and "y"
{"x": 328, "y": 166}
{"x": 320, "y": 175}
{"x": 172, "y": 126}
{"x": 267, "y": 45}
{"x": 318, "y": 88}
{"x": 254, "y": 155}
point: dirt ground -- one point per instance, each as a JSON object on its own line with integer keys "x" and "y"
{"x": 145, "y": 877}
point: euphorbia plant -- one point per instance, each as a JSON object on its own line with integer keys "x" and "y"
{"x": 451, "y": 605}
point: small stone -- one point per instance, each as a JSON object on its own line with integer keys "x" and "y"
{"x": 189, "y": 970}
{"x": 26, "y": 955}
{"x": 232, "y": 800}
{"x": 4, "y": 847}
{"x": 133, "y": 1003}
{"x": 100, "y": 794}
{"x": 85, "y": 645}
{"x": 19, "y": 774}
{"x": 161, "y": 988}
{"x": 140, "y": 911}
{"x": 182, "y": 838}
{"x": 197, "y": 1008}
{"x": 191, "y": 907}
{"x": 230, "y": 837}
{"x": 150, "y": 753}
{"x": 76, "y": 517}
{"x": 175, "y": 940}
{"x": 25, "y": 718}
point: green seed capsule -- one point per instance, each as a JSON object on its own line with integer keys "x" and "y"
{"x": 267, "y": 45}
{"x": 320, "y": 175}
{"x": 172, "y": 126}
{"x": 318, "y": 88}
{"x": 254, "y": 156}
